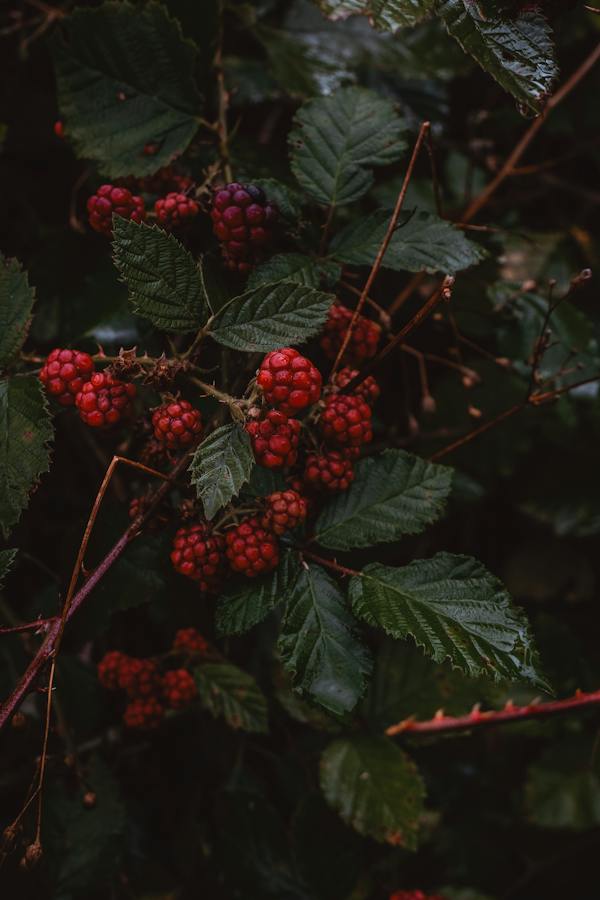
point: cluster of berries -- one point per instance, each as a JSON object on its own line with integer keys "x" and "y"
{"x": 243, "y": 220}
{"x": 171, "y": 211}
{"x": 101, "y": 399}
{"x": 150, "y": 691}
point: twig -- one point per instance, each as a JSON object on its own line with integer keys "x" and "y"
{"x": 443, "y": 724}
{"x": 384, "y": 244}
{"x": 223, "y": 104}
{"x": 329, "y": 563}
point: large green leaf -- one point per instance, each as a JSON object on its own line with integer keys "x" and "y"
{"x": 294, "y": 267}
{"x": 455, "y": 609}
{"x": 423, "y": 243}
{"x": 272, "y": 316}
{"x": 16, "y": 303}
{"x": 393, "y": 494}
{"x": 25, "y": 431}
{"x": 518, "y": 53}
{"x": 339, "y": 139}
{"x": 125, "y": 80}
{"x": 245, "y": 605}
{"x": 220, "y": 466}
{"x": 227, "y": 691}
{"x": 385, "y": 14}
{"x": 375, "y": 787}
{"x": 165, "y": 284}
{"x": 319, "y": 644}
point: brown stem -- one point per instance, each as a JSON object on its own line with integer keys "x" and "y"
{"x": 329, "y": 563}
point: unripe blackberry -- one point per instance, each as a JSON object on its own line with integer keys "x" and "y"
{"x": 346, "y": 420}
{"x": 274, "y": 439}
{"x": 110, "y": 200}
{"x": 368, "y": 389}
{"x": 199, "y": 554}
{"x": 363, "y": 340}
{"x": 179, "y": 688}
{"x": 104, "y": 400}
{"x": 64, "y": 373}
{"x": 110, "y": 667}
{"x": 139, "y": 677}
{"x": 242, "y": 221}
{"x": 189, "y": 640}
{"x": 175, "y": 210}
{"x": 143, "y": 713}
{"x": 330, "y": 470}
{"x": 284, "y": 511}
{"x": 289, "y": 380}
{"x": 251, "y": 549}
{"x": 176, "y": 424}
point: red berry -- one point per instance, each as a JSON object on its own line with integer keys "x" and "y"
{"x": 188, "y": 640}
{"x": 288, "y": 380}
{"x": 368, "y": 389}
{"x": 175, "y": 210}
{"x": 179, "y": 688}
{"x": 59, "y": 128}
{"x": 242, "y": 219}
{"x": 64, "y": 373}
{"x": 200, "y": 555}
{"x": 330, "y": 470}
{"x": 346, "y": 420}
{"x": 251, "y": 549}
{"x": 104, "y": 400}
{"x": 139, "y": 677}
{"x": 110, "y": 667}
{"x": 274, "y": 439}
{"x": 285, "y": 510}
{"x": 176, "y": 424}
{"x": 363, "y": 340}
{"x": 143, "y": 713}
{"x": 109, "y": 200}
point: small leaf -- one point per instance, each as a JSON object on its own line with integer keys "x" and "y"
{"x": 339, "y": 139}
{"x": 125, "y": 80}
{"x": 245, "y": 605}
{"x": 375, "y": 787}
{"x": 7, "y": 557}
{"x": 393, "y": 494}
{"x": 25, "y": 431}
{"x": 220, "y": 466}
{"x": 319, "y": 644}
{"x": 227, "y": 691}
{"x": 384, "y": 14}
{"x": 519, "y": 53}
{"x": 165, "y": 284}
{"x": 272, "y": 316}
{"x": 455, "y": 609}
{"x": 424, "y": 243}
{"x": 296, "y": 268}
{"x": 16, "y": 303}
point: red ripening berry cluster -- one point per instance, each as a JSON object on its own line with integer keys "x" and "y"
{"x": 368, "y": 389}
{"x": 199, "y": 554}
{"x": 284, "y": 510}
{"x": 242, "y": 221}
{"x": 274, "y": 438}
{"x": 330, "y": 470}
{"x": 363, "y": 340}
{"x": 176, "y": 424}
{"x": 251, "y": 549}
{"x": 104, "y": 400}
{"x": 110, "y": 200}
{"x": 289, "y": 381}
{"x": 175, "y": 210}
{"x": 346, "y": 421}
{"x": 64, "y": 374}
{"x": 190, "y": 641}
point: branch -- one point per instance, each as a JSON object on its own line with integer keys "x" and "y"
{"x": 442, "y": 724}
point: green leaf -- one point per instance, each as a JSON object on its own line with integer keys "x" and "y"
{"x": 7, "y": 557}
{"x": 296, "y": 268}
{"x": 455, "y": 609}
{"x": 519, "y": 53}
{"x": 220, "y": 466}
{"x": 227, "y": 691}
{"x": 25, "y": 431}
{"x": 165, "y": 284}
{"x": 245, "y": 605}
{"x": 287, "y": 200}
{"x": 393, "y": 494}
{"x": 16, "y": 303}
{"x": 339, "y": 139}
{"x": 424, "y": 243}
{"x": 384, "y": 14}
{"x": 563, "y": 788}
{"x": 271, "y": 316}
{"x": 319, "y": 644}
{"x": 125, "y": 79}
{"x": 375, "y": 787}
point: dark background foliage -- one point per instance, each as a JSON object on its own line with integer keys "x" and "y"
{"x": 198, "y": 809}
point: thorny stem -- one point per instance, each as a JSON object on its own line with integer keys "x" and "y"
{"x": 329, "y": 563}
{"x": 384, "y": 244}
{"x": 233, "y": 403}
